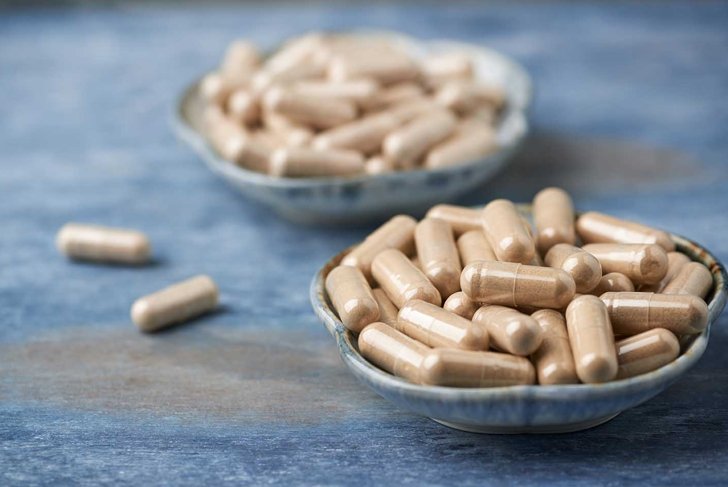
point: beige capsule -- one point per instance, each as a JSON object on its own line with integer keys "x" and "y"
{"x": 438, "y": 254}
{"x": 175, "y": 304}
{"x": 387, "y": 310}
{"x": 592, "y": 340}
{"x": 386, "y": 69}
{"x": 517, "y": 285}
{"x": 364, "y": 135}
{"x": 437, "y": 327}
{"x": 675, "y": 262}
{"x": 594, "y": 227}
{"x": 473, "y": 141}
{"x": 392, "y": 351}
{"x": 642, "y": 263}
{"x": 473, "y": 246}
{"x": 462, "y": 368}
{"x": 408, "y": 110}
{"x": 393, "y": 95}
{"x": 287, "y": 131}
{"x": 441, "y": 68}
{"x": 462, "y": 96}
{"x": 352, "y": 297}
{"x": 360, "y": 91}
{"x": 509, "y": 330}
{"x": 694, "y": 278}
{"x": 460, "y": 218}
{"x": 583, "y": 267}
{"x": 271, "y": 76}
{"x": 103, "y": 244}
{"x": 215, "y": 87}
{"x": 303, "y": 162}
{"x": 635, "y": 312}
{"x": 612, "y": 282}
{"x": 406, "y": 145}
{"x": 298, "y": 51}
{"x": 553, "y": 360}
{"x": 460, "y": 304}
{"x": 646, "y": 352}
{"x": 243, "y": 107}
{"x": 508, "y": 237}
{"x": 320, "y": 113}
{"x": 397, "y": 233}
{"x": 234, "y": 143}
{"x": 241, "y": 56}
{"x": 553, "y": 215}
{"x": 402, "y": 280}
{"x": 377, "y": 165}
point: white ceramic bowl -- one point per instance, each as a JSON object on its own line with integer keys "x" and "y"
{"x": 366, "y": 198}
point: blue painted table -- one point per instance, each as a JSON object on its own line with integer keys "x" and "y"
{"x": 631, "y": 115}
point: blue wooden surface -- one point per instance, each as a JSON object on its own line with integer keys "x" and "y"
{"x": 631, "y": 115}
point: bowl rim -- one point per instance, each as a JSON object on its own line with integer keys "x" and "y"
{"x": 666, "y": 373}
{"x": 514, "y": 113}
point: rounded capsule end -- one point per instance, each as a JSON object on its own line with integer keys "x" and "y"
{"x": 564, "y": 289}
{"x": 653, "y": 264}
{"x": 596, "y": 369}
{"x": 141, "y": 315}
{"x": 525, "y": 335}
{"x": 698, "y": 315}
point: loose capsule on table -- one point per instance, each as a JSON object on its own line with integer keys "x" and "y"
{"x": 506, "y": 233}
{"x": 553, "y": 360}
{"x": 175, "y": 304}
{"x": 642, "y": 263}
{"x": 401, "y": 280}
{"x": 635, "y": 312}
{"x": 553, "y": 215}
{"x": 595, "y": 227}
{"x": 437, "y": 327}
{"x": 646, "y": 352}
{"x": 438, "y": 255}
{"x": 103, "y": 244}
{"x": 509, "y": 330}
{"x": 352, "y": 297}
{"x": 592, "y": 340}
{"x": 392, "y": 351}
{"x": 583, "y": 267}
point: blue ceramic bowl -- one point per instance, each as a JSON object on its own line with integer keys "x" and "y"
{"x": 523, "y": 409}
{"x": 367, "y": 198}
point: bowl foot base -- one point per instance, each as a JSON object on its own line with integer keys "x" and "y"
{"x": 535, "y": 429}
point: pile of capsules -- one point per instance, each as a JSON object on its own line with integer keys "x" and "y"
{"x": 479, "y": 298}
{"x": 344, "y": 105}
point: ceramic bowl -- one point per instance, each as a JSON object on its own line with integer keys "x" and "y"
{"x": 523, "y": 409}
{"x": 367, "y": 198}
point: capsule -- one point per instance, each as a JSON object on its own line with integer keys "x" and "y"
{"x": 460, "y": 304}
{"x": 473, "y": 141}
{"x": 387, "y": 310}
{"x": 583, "y": 267}
{"x": 646, "y": 352}
{"x": 447, "y": 67}
{"x": 438, "y": 254}
{"x": 392, "y": 351}
{"x": 409, "y": 110}
{"x": 694, "y": 278}
{"x": 301, "y": 162}
{"x": 592, "y": 340}
{"x": 360, "y": 92}
{"x": 461, "y": 368}
{"x": 401, "y": 280}
{"x": 635, "y": 312}
{"x": 215, "y": 87}
{"x": 271, "y": 76}
{"x": 393, "y": 95}
{"x": 517, "y": 285}
{"x": 175, "y": 304}
{"x": 460, "y": 218}
{"x": 320, "y": 113}
{"x": 352, "y": 297}
{"x": 612, "y": 282}
{"x": 506, "y": 233}
{"x": 437, "y": 327}
{"x": 233, "y": 143}
{"x": 553, "y": 215}
{"x": 242, "y": 106}
{"x": 103, "y": 244}
{"x": 287, "y": 131}
{"x": 462, "y": 96}
{"x": 675, "y": 262}
{"x": 509, "y": 330}
{"x": 385, "y": 69}
{"x": 553, "y": 360}
{"x": 241, "y": 57}
{"x": 406, "y": 145}
{"x": 642, "y": 263}
{"x": 364, "y": 135}
{"x": 595, "y": 227}
{"x": 473, "y": 246}
{"x": 397, "y": 233}
{"x": 377, "y": 165}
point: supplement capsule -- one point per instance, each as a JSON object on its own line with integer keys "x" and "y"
{"x": 241, "y": 56}
{"x": 408, "y": 110}
{"x": 242, "y": 106}
{"x": 473, "y": 246}
{"x": 377, "y": 165}
{"x": 517, "y": 285}
{"x": 352, "y": 297}
{"x": 592, "y": 340}
{"x": 460, "y": 304}
{"x": 320, "y": 113}
{"x": 694, "y": 278}
{"x": 175, "y": 304}
{"x": 675, "y": 262}
{"x": 635, "y": 312}
{"x": 460, "y": 218}
{"x": 553, "y": 215}
{"x": 596, "y": 227}
{"x": 401, "y": 280}
{"x": 471, "y": 142}
{"x": 447, "y": 67}
{"x": 612, "y": 282}
{"x": 393, "y": 95}
{"x": 233, "y": 143}
{"x": 553, "y": 359}
{"x": 364, "y": 135}
{"x": 215, "y": 87}
{"x": 438, "y": 254}
{"x": 642, "y": 263}
{"x": 392, "y": 351}
{"x": 397, "y": 233}
{"x": 436, "y": 327}
{"x": 583, "y": 267}
{"x": 387, "y": 310}
{"x": 360, "y": 91}
{"x": 506, "y": 233}
{"x": 461, "y": 368}
{"x": 301, "y": 162}
{"x": 406, "y": 145}
{"x": 509, "y": 330}
{"x": 462, "y": 96}
{"x": 646, "y": 352}
{"x": 385, "y": 69}
{"x": 103, "y": 244}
